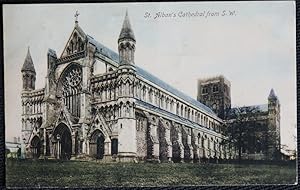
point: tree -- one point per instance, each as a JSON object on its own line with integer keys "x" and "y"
{"x": 244, "y": 130}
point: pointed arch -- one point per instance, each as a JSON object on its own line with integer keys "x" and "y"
{"x": 35, "y": 146}
{"x": 96, "y": 144}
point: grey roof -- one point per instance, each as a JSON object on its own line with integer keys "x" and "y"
{"x": 28, "y": 63}
{"x": 141, "y": 72}
{"x": 104, "y": 50}
{"x": 126, "y": 31}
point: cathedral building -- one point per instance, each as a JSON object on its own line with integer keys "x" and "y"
{"x": 99, "y": 104}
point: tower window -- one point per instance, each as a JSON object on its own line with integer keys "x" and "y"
{"x": 215, "y": 88}
{"x": 204, "y": 90}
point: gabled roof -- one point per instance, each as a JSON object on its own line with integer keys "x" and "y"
{"x": 28, "y": 63}
{"x": 79, "y": 31}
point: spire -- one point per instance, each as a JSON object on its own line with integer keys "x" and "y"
{"x": 272, "y": 94}
{"x": 28, "y": 63}
{"x": 126, "y": 31}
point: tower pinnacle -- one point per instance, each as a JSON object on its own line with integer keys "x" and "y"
{"x": 28, "y": 73}
{"x": 28, "y": 63}
{"x": 126, "y": 42}
{"x": 126, "y": 31}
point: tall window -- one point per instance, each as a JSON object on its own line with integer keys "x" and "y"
{"x": 71, "y": 85}
{"x": 215, "y": 88}
{"x": 204, "y": 90}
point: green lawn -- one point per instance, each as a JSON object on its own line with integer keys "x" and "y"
{"x": 92, "y": 174}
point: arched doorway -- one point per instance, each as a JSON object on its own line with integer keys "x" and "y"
{"x": 35, "y": 147}
{"x": 97, "y": 144}
{"x": 63, "y": 142}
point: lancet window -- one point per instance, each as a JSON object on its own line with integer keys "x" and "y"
{"x": 75, "y": 45}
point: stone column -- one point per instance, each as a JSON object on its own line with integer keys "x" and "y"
{"x": 181, "y": 147}
{"x": 195, "y": 145}
{"x": 58, "y": 149}
{"x": 188, "y": 149}
{"x": 84, "y": 136}
{"x": 45, "y": 143}
{"x": 169, "y": 144}
{"x": 165, "y": 141}
{"x": 177, "y": 146}
{"x": 73, "y": 143}
{"x": 154, "y": 141}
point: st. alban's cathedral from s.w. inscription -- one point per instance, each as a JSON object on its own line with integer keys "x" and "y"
{"x": 97, "y": 104}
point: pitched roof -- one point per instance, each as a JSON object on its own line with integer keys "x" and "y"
{"x": 141, "y": 72}
{"x": 28, "y": 63}
{"x": 126, "y": 31}
{"x": 103, "y": 49}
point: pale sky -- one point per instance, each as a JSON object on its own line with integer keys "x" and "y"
{"x": 254, "y": 48}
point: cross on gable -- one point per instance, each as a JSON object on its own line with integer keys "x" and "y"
{"x": 76, "y": 16}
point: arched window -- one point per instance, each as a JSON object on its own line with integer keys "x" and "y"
{"x": 171, "y": 106}
{"x": 144, "y": 93}
{"x": 215, "y": 88}
{"x": 181, "y": 111}
{"x": 150, "y": 95}
{"x": 72, "y": 46}
{"x": 202, "y": 142}
{"x": 215, "y": 145}
{"x": 204, "y": 90}
{"x": 208, "y": 144}
{"x": 70, "y": 85}
{"x": 162, "y": 99}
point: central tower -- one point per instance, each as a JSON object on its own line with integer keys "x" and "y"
{"x": 215, "y": 93}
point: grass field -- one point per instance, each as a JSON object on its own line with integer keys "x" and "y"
{"x": 92, "y": 174}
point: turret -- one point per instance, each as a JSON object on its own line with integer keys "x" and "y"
{"x": 126, "y": 42}
{"x": 273, "y": 126}
{"x": 28, "y": 73}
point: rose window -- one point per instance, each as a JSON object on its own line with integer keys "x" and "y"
{"x": 71, "y": 88}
